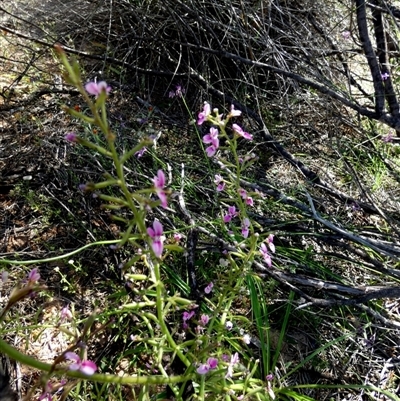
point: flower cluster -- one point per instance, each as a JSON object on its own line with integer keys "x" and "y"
{"x": 212, "y": 138}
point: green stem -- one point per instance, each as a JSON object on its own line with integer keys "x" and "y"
{"x": 99, "y": 378}
{"x": 54, "y": 258}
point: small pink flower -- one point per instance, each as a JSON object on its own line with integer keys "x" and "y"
{"x": 71, "y": 137}
{"x": 159, "y": 180}
{"x": 86, "y": 367}
{"x": 219, "y": 182}
{"x": 243, "y": 193}
{"x": 140, "y": 152}
{"x": 233, "y": 112}
{"x": 65, "y": 314}
{"x": 270, "y": 242}
{"x": 245, "y": 227}
{"x": 239, "y": 131}
{"x": 204, "y": 114}
{"x": 178, "y": 92}
{"x": 346, "y": 35}
{"x": 177, "y": 237}
{"x": 187, "y": 315}
{"x": 96, "y": 88}
{"x": 231, "y": 214}
{"x": 203, "y": 369}
{"x": 249, "y": 201}
{"x": 209, "y": 288}
{"x": 385, "y": 76}
{"x": 156, "y": 234}
{"x": 265, "y": 254}
{"x": 33, "y": 276}
{"x": 212, "y": 363}
{"x": 159, "y": 183}
{"x": 211, "y": 150}
{"x": 212, "y": 137}
{"x": 204, "y": 319}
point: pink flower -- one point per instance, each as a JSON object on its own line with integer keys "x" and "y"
{"x": 249, "y": 201}
{"x": 209, "y": 288}
{"x": 96, "y": 88}
{"x": 385, "y": 76}
{"x": 203, "y": 369}
{"x": 86, "y": 367}
{"x": 212, "y": 362}
{"x": 71, "y": 137}
{"x": 177, "y": 237}
{"x": 243, "y": 193}
{"x": 159, "y": 180}
{"x": 204, "y": 114}
{"x": 231, "y": 214}
{"x": 233, "y": 112}
{"x": 245, "y": 227}
{"x": 270, "y": 242}
{"x": 33, "y": 276}
{"x": 156, "y": 234}
{"x": 204, "y": 319}
{"x": 65, "y": 314}
{"x": 234, "y": 360}
{"x": 211, "y": 150}
{"x": 178, "y": 92}
{"x": 265, "y": 254}
{"x": 211, "y": 138}
{"x": 187, "y": 315}
{"x": 159, "y": 184}
{"x": 219, "y": 182}
{"x": 239, "y": 131}
{"x": 346, "y": 35}
{"x": 140, "y": 152}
